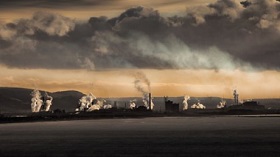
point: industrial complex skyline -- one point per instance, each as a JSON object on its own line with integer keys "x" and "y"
{"x": 184, "y": 47}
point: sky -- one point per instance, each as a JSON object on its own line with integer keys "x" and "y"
{"x": 183, "y": 47}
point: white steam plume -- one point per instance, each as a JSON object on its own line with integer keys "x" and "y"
{"x": 106, "y": 106}
{"x": 185, "y": 102}
{"x": 85, "y": 102}
{"x": 132, "y": 104}
{"x": 48, "y": 102}
{"x": 222, "y": 104}
{"x": 198, "y": 105}
{"x": 146, "y": 101}
{"x": 90, "y": 103}
{"x": 140, "y": 82}
{"x": 96, "y": 105}
{"x": 36, "y": 101}
{"x": 99, "y": 104}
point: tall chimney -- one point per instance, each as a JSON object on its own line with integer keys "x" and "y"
{"x": 150, "y": 101}
{"x": 115, "y": 104}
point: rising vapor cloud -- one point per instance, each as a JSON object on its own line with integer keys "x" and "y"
{"x": 226, "y": 34}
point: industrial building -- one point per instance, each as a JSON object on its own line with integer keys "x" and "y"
{"x": 247, "y": 105}
{"x": 170, "y": 106}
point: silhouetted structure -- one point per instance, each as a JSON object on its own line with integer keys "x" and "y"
{"x": 235, "y": 97}
{"x": 57, "y": 111}
{"x": 170, "y": 106}
{"x": 150, "y": 101}
{"x": 248, "y": 105}
{"x": 115, "y": 105}
{"x": 141, "y": 108}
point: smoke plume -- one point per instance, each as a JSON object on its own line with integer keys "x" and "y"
{"x": 85, "y": 102}
{"x": 132, "y": 104}
{"x": 185, "y": 102}
{"x": 222, "y": 104}
{"x": 91, "y": 103}
{"x": 198, "y": 105}
{"x": 142, "y": 84}
{"x": 36, "y": 101}
{"x": 106, "y": 105}
{"x": 146, "y": 101}
{"x": 48, "y": 102}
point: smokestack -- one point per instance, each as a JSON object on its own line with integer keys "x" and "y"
{"x": 235, "y": 97}
{"x": 150, "y": 101}
{"x": 115, "y": 104}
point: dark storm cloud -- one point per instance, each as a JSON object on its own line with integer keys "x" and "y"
{"x": 223, "y": 35}
{"x": 51, "y": 3}
{"x": 80, "y": 3}
{"x": 250, "y": 34}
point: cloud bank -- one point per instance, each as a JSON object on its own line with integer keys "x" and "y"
{"x": 226, "y": 34}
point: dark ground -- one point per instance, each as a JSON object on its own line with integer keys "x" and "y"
{"x": 180, "y": 136}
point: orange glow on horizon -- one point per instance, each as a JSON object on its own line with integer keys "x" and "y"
{"x": 119, "y": 83}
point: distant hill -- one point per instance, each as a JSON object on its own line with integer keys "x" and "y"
{"x": 66, "y": 100}
{"x": 14, "y": 100}
{"x": 19, "y": 99}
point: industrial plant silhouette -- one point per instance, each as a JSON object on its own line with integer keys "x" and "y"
{"x": 89, "y": 106}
